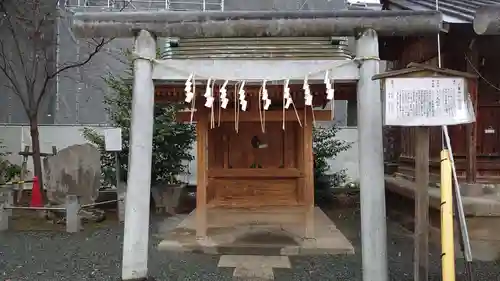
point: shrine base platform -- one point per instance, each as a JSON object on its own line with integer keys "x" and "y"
{"x": 287, "y": 231}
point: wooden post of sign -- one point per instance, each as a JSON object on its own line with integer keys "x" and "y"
{"x": 421, "y": 252}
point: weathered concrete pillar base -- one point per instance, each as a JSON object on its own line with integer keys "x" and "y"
{"x": 73, "y": 221}
{"x": 167, "y": 197}
{"x": 174, "y": 198}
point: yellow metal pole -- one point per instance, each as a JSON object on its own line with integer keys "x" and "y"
{"x": 447, "y": 237}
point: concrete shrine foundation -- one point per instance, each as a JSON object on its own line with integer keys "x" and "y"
{"x": 280, "y": 231}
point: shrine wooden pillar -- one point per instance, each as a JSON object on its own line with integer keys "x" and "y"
{"x": 301, "y": 190}
{"x": 308, "y": 170}
{"x": 201, "y": 175}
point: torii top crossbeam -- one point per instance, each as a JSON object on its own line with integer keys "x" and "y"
{"x": 256, "y": 23}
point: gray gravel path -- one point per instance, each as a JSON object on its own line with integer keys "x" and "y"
{"x": 45, "y": 256}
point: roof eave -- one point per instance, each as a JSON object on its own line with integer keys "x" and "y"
{"x": 446, "y": 18}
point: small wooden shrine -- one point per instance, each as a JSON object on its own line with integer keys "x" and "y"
{"x": 254, "y": 142}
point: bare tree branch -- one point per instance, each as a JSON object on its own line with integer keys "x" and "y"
{"x": 29, "y": 57}
{"x": 20, "y": 54}
{"x": 9, "y": 72}
{"x": 26, "y": 23}
{"x": 96, "y": 50}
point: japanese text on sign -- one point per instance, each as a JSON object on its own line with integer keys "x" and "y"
{"x": 427, "y": 102}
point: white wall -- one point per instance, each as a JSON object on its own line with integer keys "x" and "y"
{"x": 10, "y": 137}
{"x": 348, "y": 159}
{"x": 15, "y": 138}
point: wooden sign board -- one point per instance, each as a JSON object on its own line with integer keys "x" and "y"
{"x": 113, "y": 139}
{"x": 427, "y": 101}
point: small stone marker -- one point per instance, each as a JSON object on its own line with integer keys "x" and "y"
{"x": 120, "y": 196}
{"x": 73, "y": 223}
{"x": 254, "y": 267}
{"x": 6, "y": 200}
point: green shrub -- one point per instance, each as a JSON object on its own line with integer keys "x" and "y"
{"x": 172, "y": 141}
{"x": 325, "y": 147}
{"x": 8, "y": 171}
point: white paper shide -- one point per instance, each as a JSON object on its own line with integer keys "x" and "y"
{"x": 427, "y": 101}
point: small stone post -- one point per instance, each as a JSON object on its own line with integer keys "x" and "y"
{"x": 121, "y": 192}
{"x": 73, "y": 223}
{"x": 10, "y": 199}
{"x": 6, "y": 199}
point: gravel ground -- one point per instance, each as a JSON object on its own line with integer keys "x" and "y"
{"x": 96, "y": 255}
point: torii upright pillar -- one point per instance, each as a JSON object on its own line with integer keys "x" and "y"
{"x": 136, "y": 237}
{"x": 371, "y": 160}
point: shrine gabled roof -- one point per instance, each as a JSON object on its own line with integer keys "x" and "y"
{"x": 454, "y": 11}
{"x": 259, "y": 48}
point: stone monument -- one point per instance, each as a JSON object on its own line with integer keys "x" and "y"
{"x": 75, "y": 170}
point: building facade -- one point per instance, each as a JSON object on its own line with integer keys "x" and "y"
{"x": 76, "y": 96}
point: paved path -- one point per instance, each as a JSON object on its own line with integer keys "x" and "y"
{"x": 254, "y": 267}
{"x": 46, "y": 256}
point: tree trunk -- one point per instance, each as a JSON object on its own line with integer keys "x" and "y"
{"x": 37, "y": 161}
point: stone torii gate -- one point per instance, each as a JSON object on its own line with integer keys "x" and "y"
{"x": 363, "y": 24}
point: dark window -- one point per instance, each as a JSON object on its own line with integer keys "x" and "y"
{"x": 352, "y": 113}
